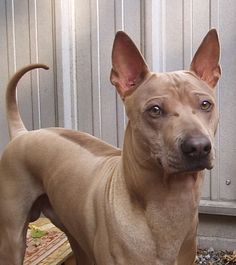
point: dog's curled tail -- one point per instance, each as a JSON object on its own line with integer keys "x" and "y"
{"x": 15, "y": 123}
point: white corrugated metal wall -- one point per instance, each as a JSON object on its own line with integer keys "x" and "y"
{"x": 27, "y": 30}
{"x": 74, "y": 38}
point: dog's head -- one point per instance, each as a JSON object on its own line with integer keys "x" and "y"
{"x": 173, "y": 116}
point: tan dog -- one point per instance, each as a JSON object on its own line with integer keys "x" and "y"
{"x": 135, "y": 207}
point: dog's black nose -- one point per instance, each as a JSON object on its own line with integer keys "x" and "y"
{"x": 196, "y": 147}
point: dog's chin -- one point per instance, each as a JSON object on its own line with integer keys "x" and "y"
{"x": 194, "y": 167}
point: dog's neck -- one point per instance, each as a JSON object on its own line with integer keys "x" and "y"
{"x": 164, "y": 200}
{"x": 147, "y": 181}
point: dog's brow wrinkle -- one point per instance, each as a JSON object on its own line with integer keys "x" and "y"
{"x": 157, "y": 97}
{"x": 197, "y": 93}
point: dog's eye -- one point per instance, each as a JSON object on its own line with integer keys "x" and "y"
{"x": 155, "y": 111}
{"x": 206, "y": 105}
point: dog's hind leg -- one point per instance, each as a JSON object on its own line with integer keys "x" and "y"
{"x": 13, "y": 228}
{"x": 17, "y": 196}
{"x": 14, "y": 222}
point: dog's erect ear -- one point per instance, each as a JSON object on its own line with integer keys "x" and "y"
{"x": 128, "y": 65}
{"x": 205, "y": 62}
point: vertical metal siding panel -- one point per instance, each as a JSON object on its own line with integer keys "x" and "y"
{"x": 206, "y": 190}
{"x": 174, "y": 35}
{"x": 187, "y": 33}
{"x": 4, "y": 75}
{"x": 63, "y": 56}
{"x": 107, "y": 92}
{"x": 132, "y": 21}
{"x": 227, "y": 100}
{"x": 150, "y": 37}
{"x": 20, "y": 22}
{"x": 159, "y": 30}
{"x": 83, "y": 66}
{"x": 95, "y": 61}
{"x": 11, "y": 37}
{"x": 46, "y": 47}
{"x": 119, "y": 14}
{"x": 66, "y": 63}
{"x": 34, "y": 59}
{"x": 200, "y": 22}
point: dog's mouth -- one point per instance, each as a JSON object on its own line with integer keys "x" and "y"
{"x": 193, "y": 166}
{"x": 183, "y": 167}
{"x": 193, "y": 153}
{"x": 180, "y": 164}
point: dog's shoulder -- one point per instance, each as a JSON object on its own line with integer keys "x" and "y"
{"x": 87, "y": 141}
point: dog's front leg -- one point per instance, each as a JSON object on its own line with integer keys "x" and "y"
{"x": 188, "y": 252}
{"x": 80, "y": 256}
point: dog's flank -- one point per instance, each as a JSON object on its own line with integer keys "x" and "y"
{"x": 131, "y": 207}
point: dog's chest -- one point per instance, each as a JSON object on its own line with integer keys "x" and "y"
{"x": 151, "y": 236}
{"x": 171, "y": 221}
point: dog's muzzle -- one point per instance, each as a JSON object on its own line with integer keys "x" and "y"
{"x": 196, "y": 152}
